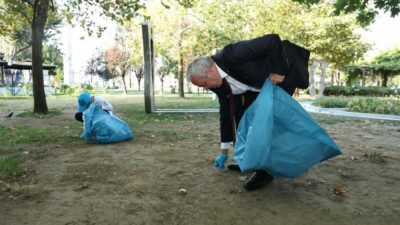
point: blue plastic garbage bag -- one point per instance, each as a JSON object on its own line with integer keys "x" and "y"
{"x": 103, "y": 128}
{"x": 277, "y": 135}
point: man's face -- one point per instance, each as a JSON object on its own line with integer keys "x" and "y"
{"x": 211, "y": 80}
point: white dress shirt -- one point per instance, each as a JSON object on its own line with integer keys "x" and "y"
{"x": 237, "y": 87}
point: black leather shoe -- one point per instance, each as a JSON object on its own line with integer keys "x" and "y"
{"x": 233, "y": 167}
{"x": 257, "y": 180}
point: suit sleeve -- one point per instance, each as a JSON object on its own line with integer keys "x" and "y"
{"x": 225, "y": 120}
{"x": 267, "y": 47}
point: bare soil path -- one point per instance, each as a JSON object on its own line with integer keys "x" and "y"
{"x": 137, "y": 182}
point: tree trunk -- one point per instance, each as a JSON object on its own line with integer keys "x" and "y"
{"x": 124, "y": 84}
{"x": 180, "y": 77}
{"x": 40, "y": 11}
{"x": 138, "y": 80}
{"x": 312, "y": 75}
{"x": 162, "y": 86}
{"x": 323, "y": 67}
{"x": 1, "y": 76}
{"x": 385, "y": 80}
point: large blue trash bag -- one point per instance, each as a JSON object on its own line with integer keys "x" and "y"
{"x": 277, "y": 135}
{"x": 103, "y": 128}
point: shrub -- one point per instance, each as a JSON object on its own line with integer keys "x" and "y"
{"x": 28, "y": 89}
{"x": 307, "y": 91}
{"x": 359, "y": 91}
{"x": 336, "y": 91}
{"x": 67, "y": 90}
{"x": 332, "y": 102}
{"x": 87, "y": 87}
{"x": 375, "y": 105}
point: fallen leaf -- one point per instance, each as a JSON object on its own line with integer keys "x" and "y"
{"x": 210, "y": 158}
{"x": 339, "y": 191}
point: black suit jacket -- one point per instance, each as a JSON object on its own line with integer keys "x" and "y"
{"x": 251, "y": 62}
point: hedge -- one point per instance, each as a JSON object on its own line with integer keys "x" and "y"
{"x": 360, "y": 91}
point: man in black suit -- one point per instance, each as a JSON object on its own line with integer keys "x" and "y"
{"x": 237, "y": 73}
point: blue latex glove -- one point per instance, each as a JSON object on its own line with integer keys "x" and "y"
{"x": 220, "y": 160}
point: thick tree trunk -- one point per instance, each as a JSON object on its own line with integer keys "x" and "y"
{"x": 38, "y": 23}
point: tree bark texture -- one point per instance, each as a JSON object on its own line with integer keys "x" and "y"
{"x": 40, "y": 11}
{"x": 180, "y": 77}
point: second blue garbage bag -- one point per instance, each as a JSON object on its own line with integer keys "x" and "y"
{"x": 103, "y": 128}
{"x": 277, "y": 135}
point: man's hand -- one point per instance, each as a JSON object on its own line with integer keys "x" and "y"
{"x": 220, "y": 160}
{"x": 276, "y": 78}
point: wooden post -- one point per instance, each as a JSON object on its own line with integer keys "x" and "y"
{"x": 148, "y": 51}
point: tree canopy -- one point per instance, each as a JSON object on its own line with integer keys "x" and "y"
{"x": 364, "y": 9}
{"x": 388, "y": 60}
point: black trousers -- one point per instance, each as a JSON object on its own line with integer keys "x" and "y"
{"x": 242, "y": 102}
{"x": 79, "y": 116}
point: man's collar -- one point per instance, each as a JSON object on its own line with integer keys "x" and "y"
{"x": 221, "y": 72}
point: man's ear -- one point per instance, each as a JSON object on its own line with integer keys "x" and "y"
{"x": 213, "y": 69}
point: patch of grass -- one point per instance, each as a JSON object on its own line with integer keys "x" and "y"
{"x": 52, "y": 112}
{"x": 14, "y": 97}
{"x": 63, "y": 133}
{"x": 192, "y": 101}
{"x": 9, "y": 165}
{"x": 330, "y": 119}
{"x": 332, "y": 102}
{"x": 39, "y": 153}
{"x": 378, "y": 105}
{"x": 375, "y": 105}
{"x": 376, "y": 157}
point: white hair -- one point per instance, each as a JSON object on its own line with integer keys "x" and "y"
{"x": 199, "y": 67}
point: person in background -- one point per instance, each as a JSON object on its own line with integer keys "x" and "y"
{"x": 85, "y": 100}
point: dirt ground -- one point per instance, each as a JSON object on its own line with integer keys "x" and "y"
{"x": 138, "y": 182}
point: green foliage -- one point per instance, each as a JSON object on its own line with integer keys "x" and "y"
{"x": 27, "y": 88}
{"x": 362, "y": 104}
{"x": 359, "y": 91}
{"x": 30, "y": 114}
{"x": 332, "y": 102}
{"x": 375, "y": 105}
{"x": 371, "y": 91}
{"x": 364, "y": 10}
{"x": 9, "y": 165}
{"x": 387, "y": 61}
{"x": 68, "y": 90}
{"x": 38, "y": 135}
{"x": 86, "y": 87}
{"x": 168, "y": 66}
{"x": 336, "y": 90}
{"x": 58, "y": 77}
{"x": 52, "y": 55}
{"x": 81, "y": 12}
